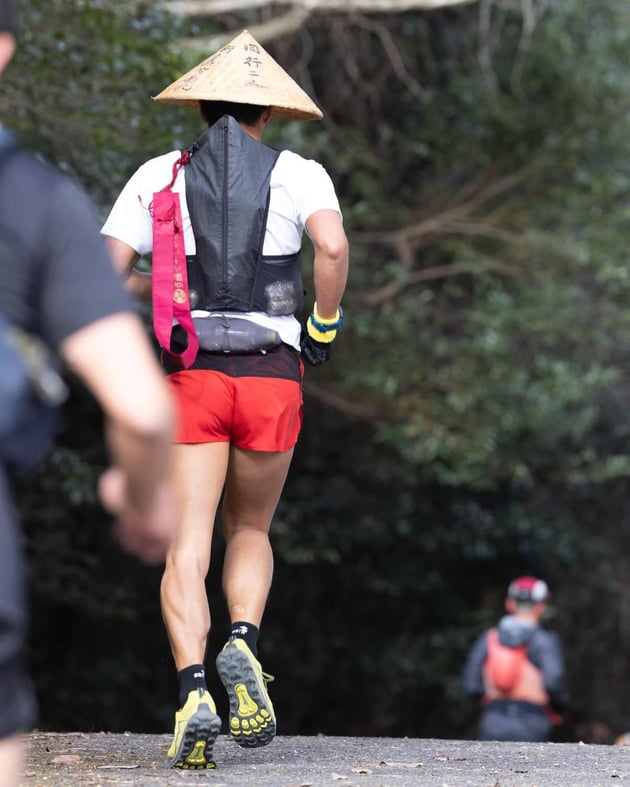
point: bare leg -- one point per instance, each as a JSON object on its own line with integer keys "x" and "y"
{"x": 199, "y": 474}
{"x": 253, "y": 487}
{"x": 199, "y": 477}
{"x": 11, "y": 761}
{"x": 252, "y": 490}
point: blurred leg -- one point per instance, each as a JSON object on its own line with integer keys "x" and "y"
{"x": 11, "y": 761}
{"x": 18, "y": 706}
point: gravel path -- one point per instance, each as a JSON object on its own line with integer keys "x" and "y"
{"x": 129, "y": 760}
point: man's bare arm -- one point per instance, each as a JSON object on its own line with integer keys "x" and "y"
{"x": 114, "y": 359}
{"x": 330, "y": 266}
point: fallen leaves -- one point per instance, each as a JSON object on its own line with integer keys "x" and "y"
{"x": 67, "y": 759}
{"x": 391, "y": 764}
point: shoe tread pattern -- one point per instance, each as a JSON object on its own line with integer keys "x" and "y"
{"x": 251, "y": 723}
{"x": 195, "y": 752}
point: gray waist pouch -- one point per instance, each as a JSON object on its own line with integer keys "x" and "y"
{"x": 222, "y": 334}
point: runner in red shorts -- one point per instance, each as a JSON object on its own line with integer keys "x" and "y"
{"x": 234, "y": 358}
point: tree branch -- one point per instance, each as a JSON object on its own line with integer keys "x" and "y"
{"x": 456, "y": 219}
{"x": 340, "y": 403}
{"x": 291, "y": 20}
{"x": 390, "y": 290}
{"x": 216, "y": 7}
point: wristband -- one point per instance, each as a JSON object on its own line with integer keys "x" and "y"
{"x": 330, "y": 324}
{"x": 324, "y": 330}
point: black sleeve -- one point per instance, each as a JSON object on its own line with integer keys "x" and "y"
{"x": 472, "y": 672}
{"x": 80, "y": 285}
{"x": 58, "y": 273}
{"x": 545, "y": 652}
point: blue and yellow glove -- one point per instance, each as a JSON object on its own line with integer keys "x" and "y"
{"x": 320, "y": 334}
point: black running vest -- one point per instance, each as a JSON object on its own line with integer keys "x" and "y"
{"x": 227, "y": 191}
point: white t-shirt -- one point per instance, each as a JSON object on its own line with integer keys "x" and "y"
{"x": 299, "y": 187}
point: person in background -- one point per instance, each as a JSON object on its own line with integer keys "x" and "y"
{"x": 517, "y": 669}
{"x": 60, "y": 285}
{"x": 235, "y": 358}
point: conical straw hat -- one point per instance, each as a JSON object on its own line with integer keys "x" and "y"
{"x": 242, "y": 72}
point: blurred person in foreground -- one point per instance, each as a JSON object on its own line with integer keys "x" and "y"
{"x": 59, "y": 285}
{"x": 224, "y": 221}
{"x": 517, "y": 669}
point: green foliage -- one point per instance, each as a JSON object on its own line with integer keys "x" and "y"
{"x": 79, "y": 89}
{"x": 500, "y": 371}
{"x": 487, "y": 320}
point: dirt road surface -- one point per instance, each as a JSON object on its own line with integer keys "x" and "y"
{"x": 131, "y": 760}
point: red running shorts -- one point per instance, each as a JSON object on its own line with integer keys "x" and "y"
{"x": 255, "y": 413}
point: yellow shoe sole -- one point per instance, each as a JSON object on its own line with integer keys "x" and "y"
{"x": 252, "y": 721}
{"x": 196, "y": 746}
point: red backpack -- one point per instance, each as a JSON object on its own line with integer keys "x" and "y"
{"x": 504, "y": 664}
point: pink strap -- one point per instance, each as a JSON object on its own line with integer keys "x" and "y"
{"x": 170, "y": 280}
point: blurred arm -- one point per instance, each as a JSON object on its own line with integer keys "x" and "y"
{"x": 471, "y": 678}
{"x": 114, "y": 359}
{"x": 551, "y": 659}
{"x": 125, "y": 257}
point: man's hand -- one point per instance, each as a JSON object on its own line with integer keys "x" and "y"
{"x": 314, "y": 352}
{"x": 146, "y": 534}
{"x": 319, "y": 335}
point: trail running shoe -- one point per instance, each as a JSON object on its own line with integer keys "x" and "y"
{"x": 196, "y": 729}
{"x": 252, "y": 720}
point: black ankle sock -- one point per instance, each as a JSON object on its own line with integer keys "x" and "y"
{"x": 191, "y": 678}
{"x": 247, "y": 631}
